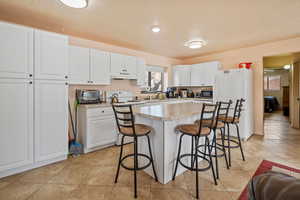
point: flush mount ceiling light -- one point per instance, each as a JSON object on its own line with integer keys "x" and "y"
{"x": 195, "y": 44}
{"x": 287, "y": 67}
{"x": 155, "y": 29}
{"x": 75, "y": 3}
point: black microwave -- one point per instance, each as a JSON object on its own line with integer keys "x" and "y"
{"x": 206, "y": 94}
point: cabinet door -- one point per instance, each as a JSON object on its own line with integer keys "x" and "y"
{"x": 51, "y": 55}
{"x": 182, "y": 75}
{"x": 130, "y": 65}
{"x": 213, "y": 70}
{"x": 116, "y": 64}
{"x": 79, "y": 65}
{"x": 141, "y": 73}
{"x": 199, "y": 75}
{"x": 51, "y": 119}
{"x": 100, "y": 64}
{"x": 101, "y": 131}
{"x": 16, "y": 51}
{"x": 16, "y": 129}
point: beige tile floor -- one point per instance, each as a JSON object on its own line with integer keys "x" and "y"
{"x": 90, "y": 177}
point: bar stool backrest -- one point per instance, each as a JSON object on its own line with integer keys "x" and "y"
{"x": 208, "y": 114}
{"x": 222, "y": 111}
{"x": 124, "y": 117}
{"x": 238, "y": 109}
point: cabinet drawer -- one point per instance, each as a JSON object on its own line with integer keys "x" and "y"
{"x": 99, "y": 112}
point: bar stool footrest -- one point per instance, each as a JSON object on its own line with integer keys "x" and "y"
{"x": 194, "y": 164}
{"x": 213, "y": 154}
{"x": 138, "y": 168}
{"x": 227, "y": 146}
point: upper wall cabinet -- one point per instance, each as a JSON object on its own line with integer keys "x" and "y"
{"x": 16, "y": 51}
{"x": 79, "y": 65}
{"x": 122, "y": 66}
{"x": 181, "y": 75}
{"x": 141, "y": 73}
{"x": 100, "y": 67}
{"x": 203, "y": 74}
{"x": 51, "y": 55}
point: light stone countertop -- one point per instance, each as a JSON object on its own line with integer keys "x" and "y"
{"x": 147, "y": 102}
{"x": 168, "y": 111}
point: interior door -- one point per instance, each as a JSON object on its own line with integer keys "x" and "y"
{"x": 51, "y": 55}
{"x": 295, "y": 107}
{"x": 16, "y": 119}
{"x": 51, "y": 119}
{"x": 16, "y": 51}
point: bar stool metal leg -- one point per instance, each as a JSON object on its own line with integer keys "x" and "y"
{"x": 228, "y": 140}
{"x": 120, "y": 158}
{"x": 223, "y": 147}
{"x": 135, "y": 167}
{"x": 240, "y": 143}
{"x": 197, "y": 171}
{"x": 216, "y": 152}
{"x": 178, "y": 157}
{"x": 150, "y": 152}
{"x": 211, "y": 162}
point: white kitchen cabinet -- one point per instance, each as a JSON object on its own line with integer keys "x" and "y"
{"x": 141, "y": 73}
{"x": 79, "y": 65}
{"x": 181, "y": 75}
{"x": 51, "y": 55}
{"x": 100, "y": 67}
{"x": 16, "y": 129}
{"x": 96, "y": 127}
{"x": 203, "y": 74}
{"x": 51, "y": 119}
{"x": 16, "y": 51}
{"x": 122, "y": 66}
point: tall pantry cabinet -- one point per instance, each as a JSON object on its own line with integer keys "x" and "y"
{"x": 33, "y": 93}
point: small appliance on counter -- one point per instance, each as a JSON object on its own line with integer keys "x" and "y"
{"x": 90, "y": 96}
{"x": 205, "y": 94}
{"x": 190, "y": 93}
{"x": 171, "y": 92}
{"x": 183, "y": 93}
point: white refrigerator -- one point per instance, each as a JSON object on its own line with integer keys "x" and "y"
{"x": 236, "y": 84}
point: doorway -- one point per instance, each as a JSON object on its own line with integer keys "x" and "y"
{"x": 281, "y": 92}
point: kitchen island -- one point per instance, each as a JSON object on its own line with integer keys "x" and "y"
{"x": 163, "y": 118}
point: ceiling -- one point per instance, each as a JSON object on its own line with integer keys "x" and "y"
{"x": 224, "y": 24}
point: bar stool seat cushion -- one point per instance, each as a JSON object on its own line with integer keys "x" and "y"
{"x": 193, "y": 129}
{"x": 206, "y": 122}
{"x": 229, "y": 119}
{"x": 140, "y": 130}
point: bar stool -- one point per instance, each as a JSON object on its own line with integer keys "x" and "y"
{"x": 218, "y": 124}
{"x": 127, "y": 127}
{"x": 234, "y": 120}
{"x": 196, "y": 131}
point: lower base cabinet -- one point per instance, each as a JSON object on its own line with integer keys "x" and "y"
{"x": 96, "y": 127}
{"x": 16, "y": 123}
{"x": 33, "y": 124}
{"x": 51, "y": 117}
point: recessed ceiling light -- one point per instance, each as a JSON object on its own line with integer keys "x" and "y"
{"x": 195, "y": 44}
{"x": 286, "y": 67}
{"x": 155, "y": 29}
{"x": 75, "y": 3}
